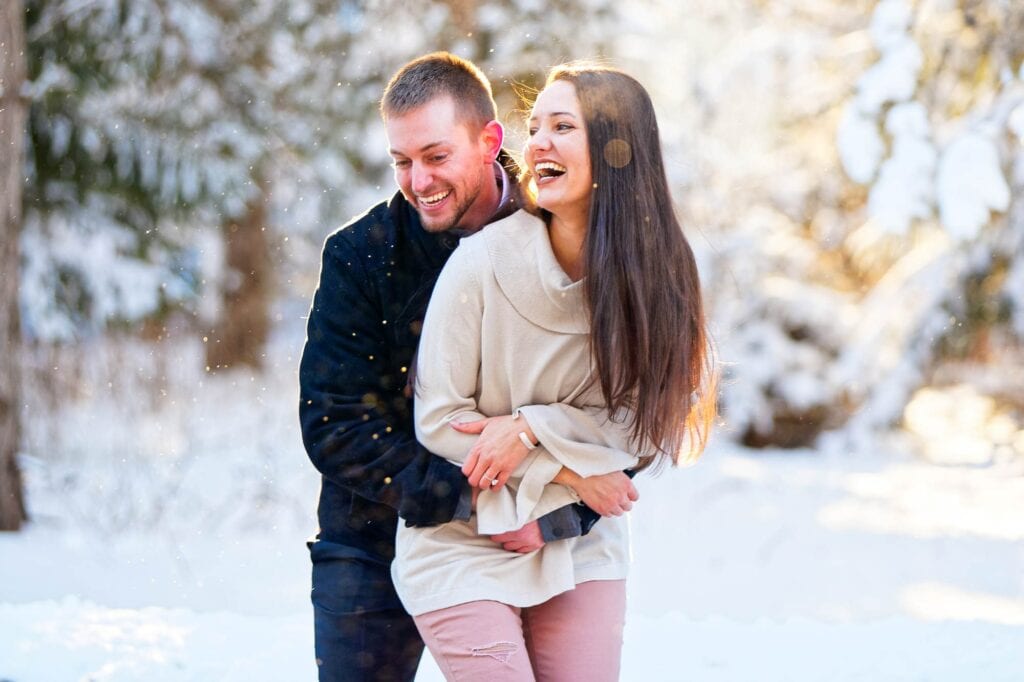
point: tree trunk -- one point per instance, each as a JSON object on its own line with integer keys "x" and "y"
{"x": 241, "y": 336}
{"x": 12, "y": 137}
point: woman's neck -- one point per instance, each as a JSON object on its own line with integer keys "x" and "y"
{"x": 567, "y": 234}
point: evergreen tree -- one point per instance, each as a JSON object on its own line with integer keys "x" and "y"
{"x": 853, "y": 166}
{"x": 153, "y": 124}
{"x": 934, "y": 132}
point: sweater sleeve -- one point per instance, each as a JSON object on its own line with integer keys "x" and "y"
{"x": 448, "y": 360}
{"x": 586, "y": 439}
{"x": 447, "y": 380}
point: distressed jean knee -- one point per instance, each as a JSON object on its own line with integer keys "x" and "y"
{"x": 499, "y": 651}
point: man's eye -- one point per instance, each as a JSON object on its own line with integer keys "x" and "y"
{"x": 439, "y": 158}
{"x": 400, "y": 163}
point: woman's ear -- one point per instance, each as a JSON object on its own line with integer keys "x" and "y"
{"x": 491, "y": 137}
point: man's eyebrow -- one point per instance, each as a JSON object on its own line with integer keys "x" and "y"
{"x": 424, "y": 148}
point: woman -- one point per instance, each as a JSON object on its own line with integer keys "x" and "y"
{"x": 585, "y": 323}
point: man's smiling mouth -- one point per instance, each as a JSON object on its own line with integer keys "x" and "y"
{"x": 433, "y": 199}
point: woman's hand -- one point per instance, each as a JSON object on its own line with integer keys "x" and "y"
{"x": 498, "y": 451}
{"x": 609, "y": 494}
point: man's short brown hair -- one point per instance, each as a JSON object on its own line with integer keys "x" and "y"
{"x": 436, "y": 75}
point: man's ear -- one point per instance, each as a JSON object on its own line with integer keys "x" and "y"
{"x": 491, "y": 138}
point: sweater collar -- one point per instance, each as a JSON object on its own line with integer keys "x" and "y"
{"x": 530, "y": 277}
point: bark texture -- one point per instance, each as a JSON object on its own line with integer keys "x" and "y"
{"x": 13, "y": 111}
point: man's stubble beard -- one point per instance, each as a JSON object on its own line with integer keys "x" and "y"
{"x": 460, "y": 212}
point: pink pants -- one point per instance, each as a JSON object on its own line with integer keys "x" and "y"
{"x": 574, "y": 636}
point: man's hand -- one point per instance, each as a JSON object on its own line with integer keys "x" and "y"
{"x": 526, "y": 539}
{"x": 609, "y": 494}
{"x": 498, "y": 451}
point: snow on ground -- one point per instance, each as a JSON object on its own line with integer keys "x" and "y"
{"x": 750, "y": 565}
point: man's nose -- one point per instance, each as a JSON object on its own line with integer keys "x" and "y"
{"x": 421, "y": 179}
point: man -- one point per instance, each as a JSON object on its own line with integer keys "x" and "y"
{"x": 355, "y": 405}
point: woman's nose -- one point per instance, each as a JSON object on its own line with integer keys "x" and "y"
{"x": 539, "y": 140}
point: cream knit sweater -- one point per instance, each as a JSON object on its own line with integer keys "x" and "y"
{"x": 506, "y": 328}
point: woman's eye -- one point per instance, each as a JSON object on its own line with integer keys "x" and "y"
{"x": 531, "y": 131}
{"x": 563, "y": 126}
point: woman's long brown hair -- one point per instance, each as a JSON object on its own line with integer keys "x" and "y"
{"x": 648, "y": 339}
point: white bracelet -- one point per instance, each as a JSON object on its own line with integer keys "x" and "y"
{"x": 526, "y": 441}
{"x": 522, "y": 434}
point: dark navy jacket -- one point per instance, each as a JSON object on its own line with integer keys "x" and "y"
{"x": 357, "y": 422}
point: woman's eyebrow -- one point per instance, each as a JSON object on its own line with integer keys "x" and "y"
{"x": 555, "y": 113}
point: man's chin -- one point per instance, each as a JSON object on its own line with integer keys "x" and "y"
{"x": 442, "y": 223}
{"x": 436, "y": 224}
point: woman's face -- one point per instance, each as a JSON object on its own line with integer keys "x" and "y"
{"x": 557, "y": 154}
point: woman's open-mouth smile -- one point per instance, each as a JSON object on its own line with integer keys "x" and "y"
{"x": 548, "y": 171}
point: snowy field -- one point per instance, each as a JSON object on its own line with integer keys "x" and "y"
{"x": 167, "y": 544}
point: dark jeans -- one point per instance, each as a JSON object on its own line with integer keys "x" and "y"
{"x": 362, "y": 633}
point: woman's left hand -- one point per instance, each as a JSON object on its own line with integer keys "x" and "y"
{"x": 498, "y": 451}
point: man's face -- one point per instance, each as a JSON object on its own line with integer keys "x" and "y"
{"x": 441, "y": 165}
